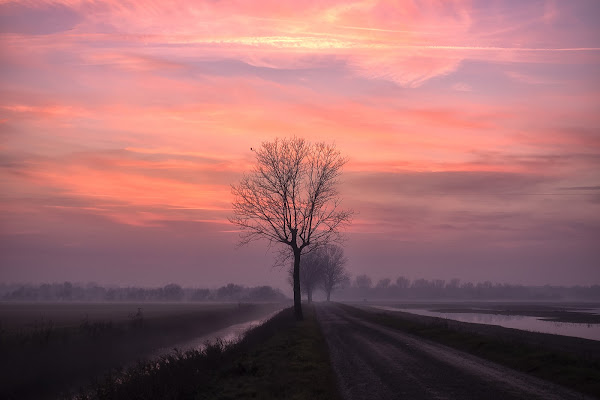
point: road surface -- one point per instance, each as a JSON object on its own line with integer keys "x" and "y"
{"x": 375, "y": 362}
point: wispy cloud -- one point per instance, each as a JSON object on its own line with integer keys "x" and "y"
{"x": 471, "y": 120}
{"x": 432, "y": 42}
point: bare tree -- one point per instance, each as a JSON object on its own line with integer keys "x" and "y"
{"x": 363, "y": 282}
{"x": 291, "y": 198}
{"x": 402, "y": 282}
{"x": 383, "y": 283}
{"x": 334, "y": 271}
{"x": 311, "y": 272}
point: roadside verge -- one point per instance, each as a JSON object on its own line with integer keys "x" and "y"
{"x": 282, "y": 358}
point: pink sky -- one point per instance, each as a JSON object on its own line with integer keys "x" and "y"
{"x": 471, "y": 128}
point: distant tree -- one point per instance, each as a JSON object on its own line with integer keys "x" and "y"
{"x": 454, "y": 283}
{"x": 264, "y": 293}
{"x": 402, "y": 282}
{"x": 311, "y": 273}
{"x": 173, "y": 292}
{"x": 46, "y": 292}
{"x": 363, "y": 282}
{"x": 291, "y": 198}
{"x": 421, "y": 283}
{"x": 96, "y": 292}
{"x": 334, "y": 269}
{"x": 383, "y": 283}
{"x": 67, "y": 291}
{"x": 200, "y": 294}
{"x": 230, "y": 292}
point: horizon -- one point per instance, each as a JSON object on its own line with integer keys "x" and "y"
{"x": 351, "y": 285}
{"x": 470, "y": 129}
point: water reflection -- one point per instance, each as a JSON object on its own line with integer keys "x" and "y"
{"x": 526, "y": 323}
{"x": 590, "y": 310}
{"x": 229, "y": 334}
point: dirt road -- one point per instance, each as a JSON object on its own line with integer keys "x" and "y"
{"x": 375, "y": 362}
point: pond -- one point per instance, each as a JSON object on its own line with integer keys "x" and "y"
{"x": 526, "y": 323}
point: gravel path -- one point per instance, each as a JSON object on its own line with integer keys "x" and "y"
{"x": 375, "y": 362}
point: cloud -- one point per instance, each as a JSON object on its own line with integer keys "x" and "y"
{"x": 408, "y": 43}
{"x": 531, "y": 79}
{"x": 37, "y": 19}
{"x": 497, "y": 207}
{"x": 135, "y": 117}
{"x": 559, "y": 136}
{"x": 129, "y": 187}
{"x": 584, "y": 188}
{"x": 462, "y": 87}
{"x": 449, "y": 183}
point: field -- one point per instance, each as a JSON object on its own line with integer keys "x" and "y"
{"x": 46, "y": 348}
{"x": 281, "y": 359}
{"x": 285, "y": 358}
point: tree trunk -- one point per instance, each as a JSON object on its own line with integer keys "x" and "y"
{"x": 297, "y": 297}
{"x": 309, "y": 294}
{"x": 328, "y": 294}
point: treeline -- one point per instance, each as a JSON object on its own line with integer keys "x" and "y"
{"x": 363, "y": 287}
{"x": 68, "y": 291}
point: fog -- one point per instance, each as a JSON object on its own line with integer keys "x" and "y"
{"x": 202, "y": 255}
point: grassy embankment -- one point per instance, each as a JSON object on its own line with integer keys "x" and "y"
{"x": 577, "y": 371}
{"x": 281, "y": 359}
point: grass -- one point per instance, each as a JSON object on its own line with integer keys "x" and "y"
{"x": 579, "y": 373}
{"x": 23, "y": 316}
{"x": 288, "y": 359}
{"x": 281, "y": 359}
{"x": 293, "y": 363}
{"x": 42, "y": 358}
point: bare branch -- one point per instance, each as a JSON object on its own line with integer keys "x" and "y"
{"x": 291, "y": 197}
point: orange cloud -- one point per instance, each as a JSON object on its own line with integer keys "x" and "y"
{"x": 128, "y": 190}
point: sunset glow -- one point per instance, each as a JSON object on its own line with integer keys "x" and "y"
{"x": 471, "y": 130}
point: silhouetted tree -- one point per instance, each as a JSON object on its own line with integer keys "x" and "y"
{"x": 230, "y": 292}
{"x": 402, "y": 282}
{"x": 291, "y": 198}
{"x": 67, "y": 291}
{"x": 173, "y": 291}
{"x": 200, "y": 294}
{"x": 311, "y": 272}
{"x": 383, "y": 283}
{"x": 454, "y": 283}
{"x": 363, "y": 282}
{"x": 264, "y": 293}
{"x": 421, "y": 288}
{"x": 334, "y": 270}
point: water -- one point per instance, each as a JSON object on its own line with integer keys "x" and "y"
{"x": 229, "y": 334}
{"x": 526, "y": 323}
{"x": 590, "y": 310}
